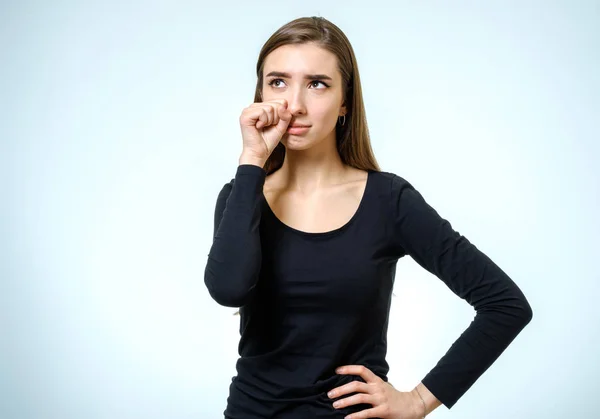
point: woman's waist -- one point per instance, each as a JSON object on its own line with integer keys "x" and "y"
{"x": 253, "y": 395}
{"x": 299, "y": 376}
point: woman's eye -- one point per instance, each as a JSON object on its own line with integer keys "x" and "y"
{"x": 272, "y": 82}
{"x": 318, "y": 81}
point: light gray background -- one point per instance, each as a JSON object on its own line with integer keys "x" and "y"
{"x": 119, "y": 126}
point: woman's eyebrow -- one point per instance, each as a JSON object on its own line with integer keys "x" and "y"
{"x": 306, "y": 76}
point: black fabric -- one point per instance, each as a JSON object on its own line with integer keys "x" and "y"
{"x": 310, "y": 302}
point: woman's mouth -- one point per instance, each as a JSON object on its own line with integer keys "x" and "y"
{"x": 298, "y": 129}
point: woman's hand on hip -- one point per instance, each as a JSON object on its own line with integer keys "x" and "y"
{"x": 387, "y": 402}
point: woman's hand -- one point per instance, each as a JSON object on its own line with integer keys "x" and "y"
{"x": 388, "y": 403}
{"x": 263, "y": 124}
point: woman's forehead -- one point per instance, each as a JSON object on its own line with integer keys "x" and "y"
{"x": 300, "y": 60}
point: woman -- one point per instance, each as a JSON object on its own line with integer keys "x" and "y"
{"x": 307, "y": 237}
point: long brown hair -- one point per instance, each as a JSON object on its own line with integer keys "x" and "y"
{"x": 352, "y": 138}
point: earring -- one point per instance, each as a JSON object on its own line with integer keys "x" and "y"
{"x": 342, "y": 123}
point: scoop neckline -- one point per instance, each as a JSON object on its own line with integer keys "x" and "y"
{"x": 333, "y": 232}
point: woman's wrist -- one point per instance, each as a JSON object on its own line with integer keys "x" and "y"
{"x": 424, "y": 401}
{"x": 250, "y": 159}
{"x": 418, "y": 404}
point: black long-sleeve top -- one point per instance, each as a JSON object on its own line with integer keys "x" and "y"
{"x": 310, "y": 302}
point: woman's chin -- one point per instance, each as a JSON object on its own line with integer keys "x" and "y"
{"x": 295, "y": 142}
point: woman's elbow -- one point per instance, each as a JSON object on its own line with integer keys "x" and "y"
{"x": 526, "y": 312}
{"x": 229, "y": 299}
{"x": 225, "y": 292}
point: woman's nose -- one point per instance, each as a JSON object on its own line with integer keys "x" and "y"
{"x": 296, "y": 102}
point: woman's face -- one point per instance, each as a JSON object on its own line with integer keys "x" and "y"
{"x": 307, "y": 76}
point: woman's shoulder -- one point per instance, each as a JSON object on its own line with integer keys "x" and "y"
{"x": 391, "y": 181}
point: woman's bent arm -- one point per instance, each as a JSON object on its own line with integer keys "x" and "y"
{"x": 502, "y": 310}
{"x": 234, "y": 260}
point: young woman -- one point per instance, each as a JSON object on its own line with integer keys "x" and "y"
{"x": 306, "y": 240}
